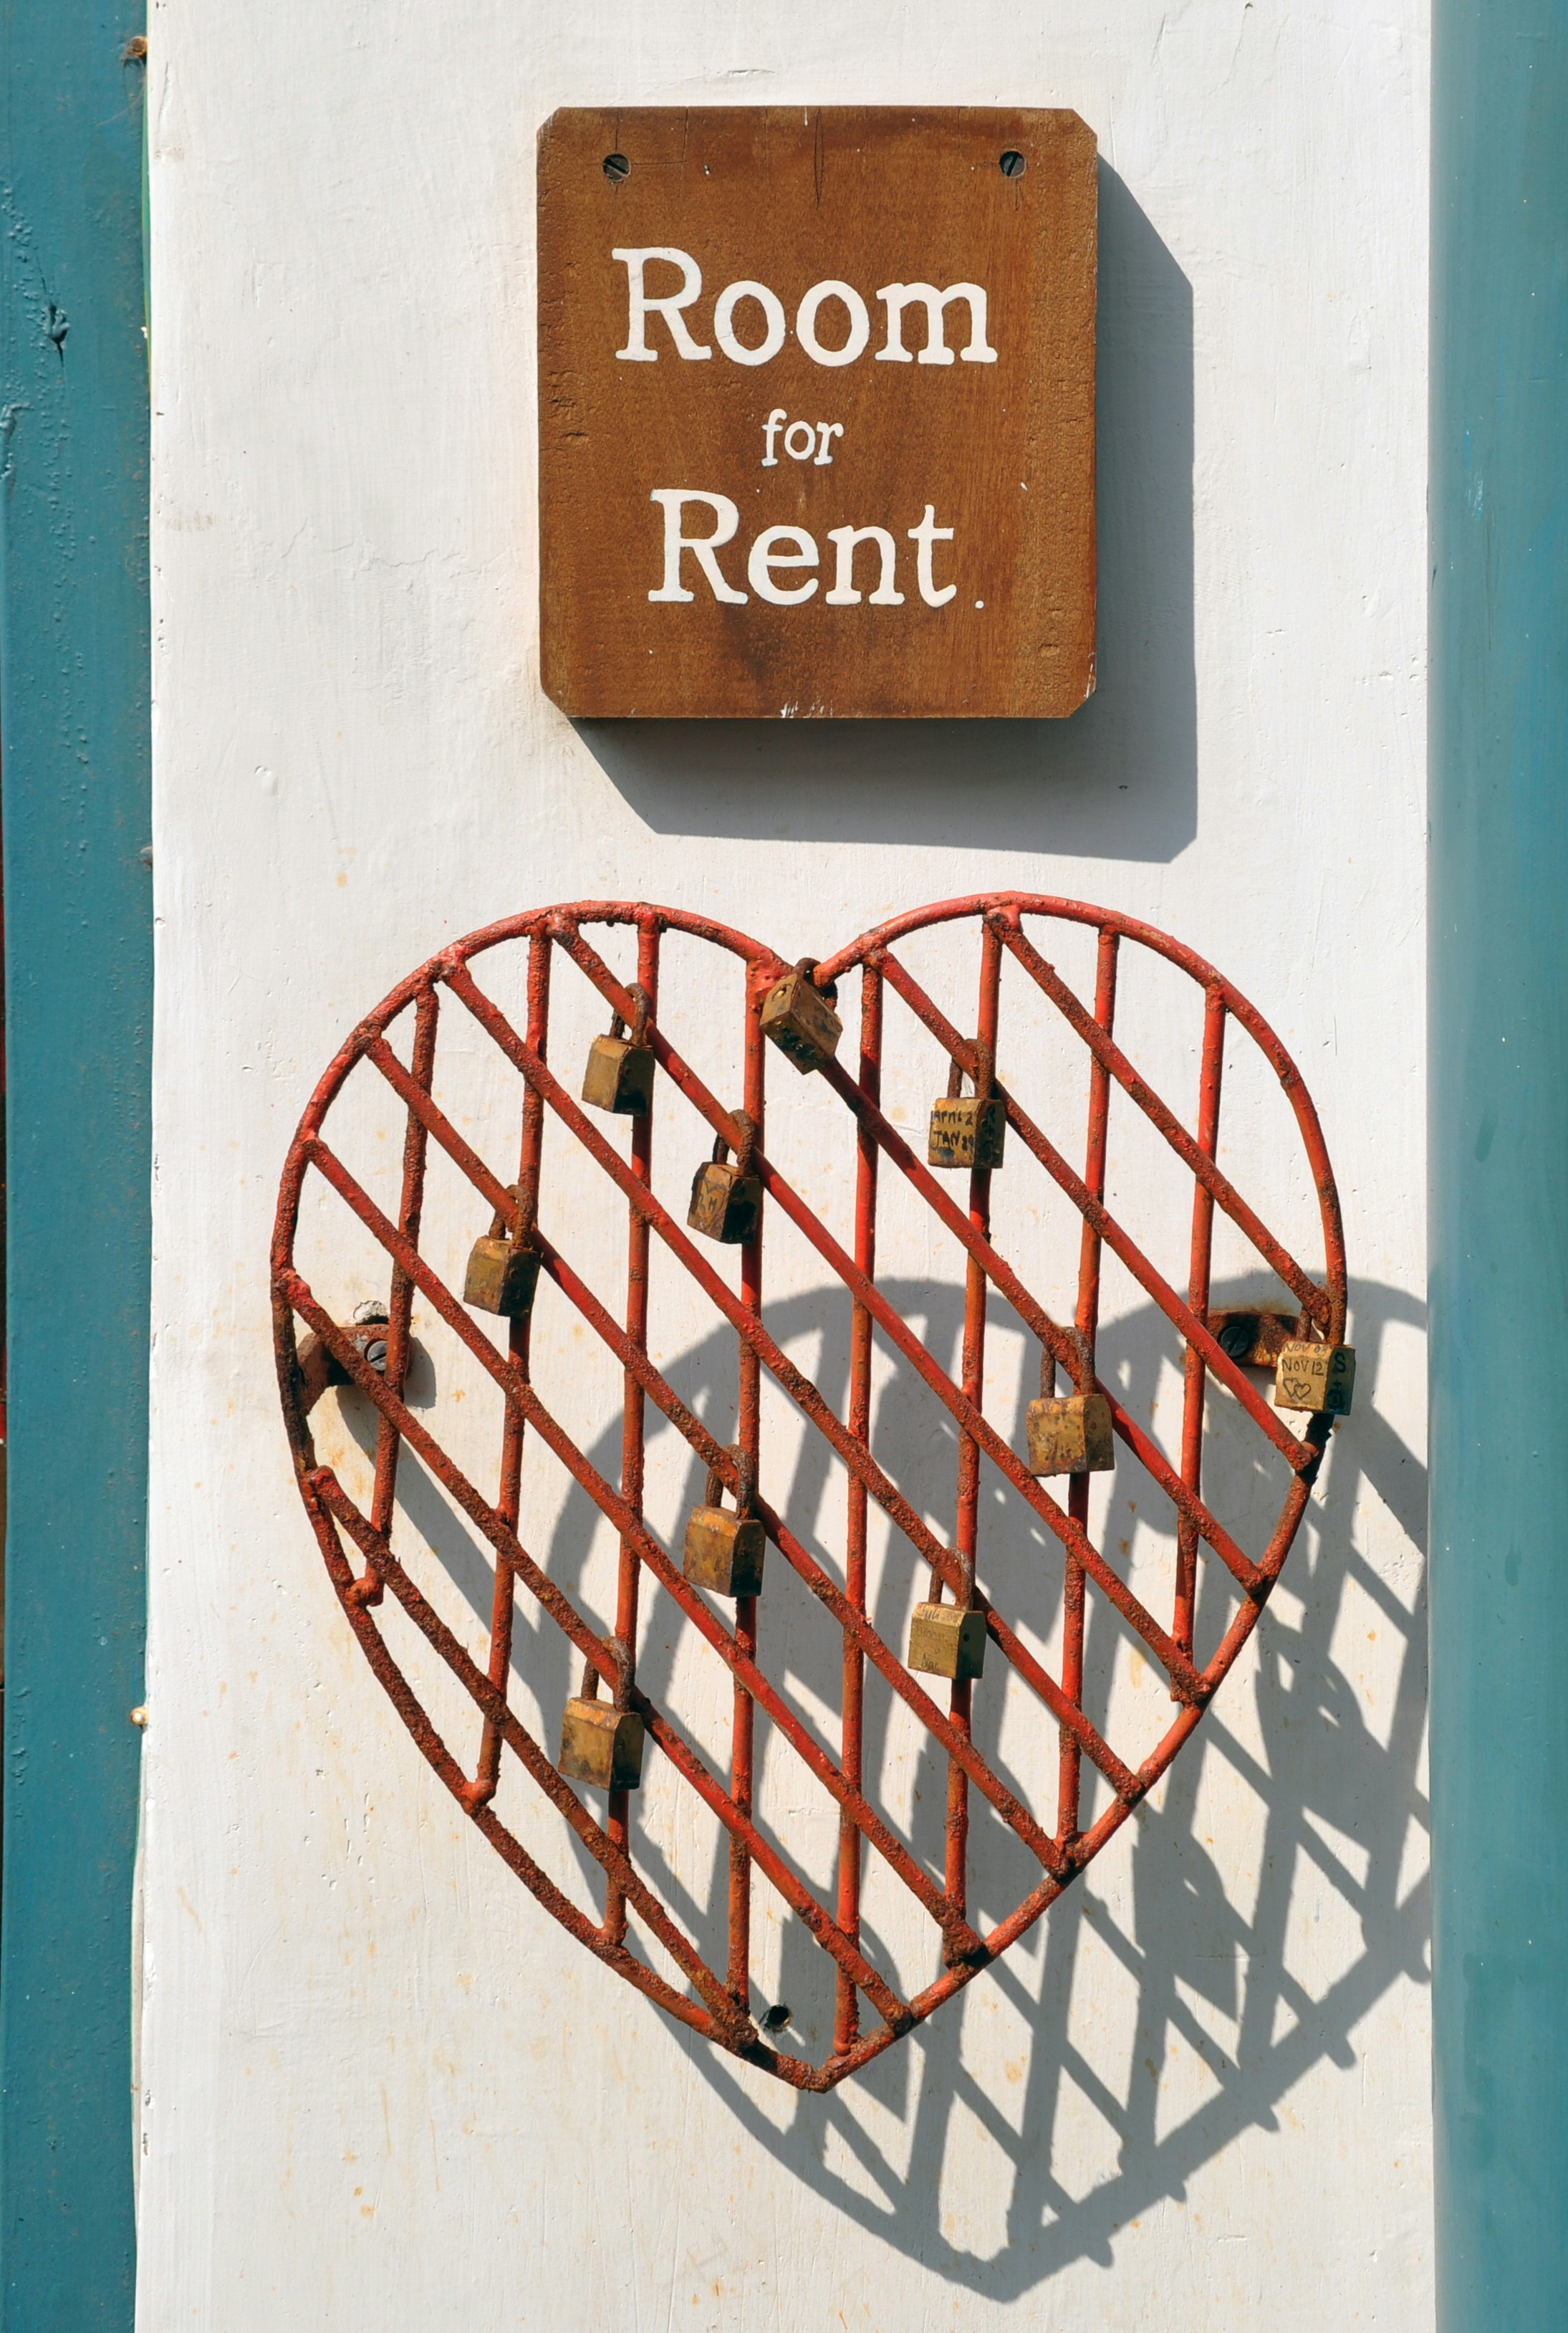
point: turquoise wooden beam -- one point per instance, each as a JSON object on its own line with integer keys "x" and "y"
{"x": 74, "y": 726}
{"x": 1499, "y": 1161}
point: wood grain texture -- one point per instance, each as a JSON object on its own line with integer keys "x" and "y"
{"x": 1002, "y": 452}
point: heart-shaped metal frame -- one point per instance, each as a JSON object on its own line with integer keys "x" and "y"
{"x": 715, "y": 2004}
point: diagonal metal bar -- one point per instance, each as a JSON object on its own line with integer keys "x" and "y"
{"x": 854, "y": 1621}
{"x": 506, "y": 1544}
{"x": 634, "y": 1360}
{"x": 810, "y": 1400}
{"x": 806, "y": 1394}
{"x": 376, "y": 1550}
{"x": 1006, "y": 1280}
{"x": 1063, "y": 1344}
{"x": 1105, "y": 1051}
{"x": 632, "y": 1528}
{"x": 729, "y": 2031}
{"x": 1299, "y": 1454}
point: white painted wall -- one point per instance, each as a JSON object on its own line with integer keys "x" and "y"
{"x": 378, "y": 2087}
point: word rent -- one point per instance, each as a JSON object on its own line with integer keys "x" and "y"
{"x": 781, "y": 549}
{"x": 831, "y": 294}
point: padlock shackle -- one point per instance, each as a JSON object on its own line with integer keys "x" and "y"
{"x": 743, "y": 1150}
{"x": 807, "y": 968}
{"x": 620, "y": 1695}
{"x": 639, "y": 997}
{"x": 1080, "y": 1372}
{"x": 745, "y": 1478}
{"x": 985, "y": 1084}
{"x": 499, "y": 1228}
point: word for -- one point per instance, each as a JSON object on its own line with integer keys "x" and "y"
{"x": 895, "y": 297}
{"x": 809, "y": 433}
{"x": 785, "y": 547}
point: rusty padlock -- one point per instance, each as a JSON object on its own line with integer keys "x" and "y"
{"x": 727, "y": 1199}
{"x": 799, "y": 1018}
{"x": 619, "y": 1075}
{"x": 1318, "y": 1377}
{"x": 969, "y": 1129}
{"x": 724, "y": 1551}
{"x": 601, "y": 1741}
{"x": 502, "y": 1273}
{"x": 947, "y": 1640}
{"x": 1070, "y": 1436}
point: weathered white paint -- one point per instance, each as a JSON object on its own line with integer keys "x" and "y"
{"x": 378, "y": 2087}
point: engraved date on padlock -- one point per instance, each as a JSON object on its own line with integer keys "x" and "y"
{"x": 967, "y": 1132}
{"x": 502, "y": 1273}
{"x": 723, "y": 1552}
{"x": 726, "y": 1199}
{"x": 1317, "y": 1377}
{"x": 619, "y": 1075}
{"x": 601, "y": 1744}
{"x": 800, "y": 1020}
{"x": 1073, "y": 1435}
{"x": 946, "y": 1642}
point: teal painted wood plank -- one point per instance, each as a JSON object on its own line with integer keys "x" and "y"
{"x": 1499, "y": 1152}
{"x": 74, "y": 721}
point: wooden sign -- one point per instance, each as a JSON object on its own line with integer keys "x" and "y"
{"x": 817, "y": 411}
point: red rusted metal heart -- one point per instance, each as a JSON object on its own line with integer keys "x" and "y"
{"x": 638, "y": 1931}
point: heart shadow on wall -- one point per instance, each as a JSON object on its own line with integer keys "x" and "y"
{"x": 1119, "y": 778}
{"x": 1153, "y": 2017}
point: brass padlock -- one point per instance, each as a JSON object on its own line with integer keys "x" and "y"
{"x": 619, "y": 1075}
{"x": 946, "y": 1641}
{"x": 969, "y": 1129}
{"x": 601, "y": 1742}
{"x": 723, "y": 1552}
{"x": 726, "y": 1200}
{"x": 502, "y": 1273}
{"x": 1070, "y": 1437}
{"x": 799, "y": 1018}
{"x": 1319, "y": 1377}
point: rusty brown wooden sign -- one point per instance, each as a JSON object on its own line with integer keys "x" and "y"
{"x": 817, "y": 411}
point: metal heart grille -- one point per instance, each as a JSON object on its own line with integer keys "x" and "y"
{"x": 1061, "y": 1813}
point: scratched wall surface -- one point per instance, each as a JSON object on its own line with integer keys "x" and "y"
{"x": 378, "y": 2085}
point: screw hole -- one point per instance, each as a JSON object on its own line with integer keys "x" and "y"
{"x": 1013, "y": 164}
{"x": 616, "y": 168}
{"x": 775, "y": 2018}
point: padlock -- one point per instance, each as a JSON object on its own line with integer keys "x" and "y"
{"x": 1319, "y": 1377}
{"x": 726, "y": 1200}
{"x": 601, "y": 1741}
{"x": 969, "y": 1129}
{"x": 799, "y": 1018}
{"x": 944, "y": 1640}
{"x": 1070, "y": 1437}
{"x": 503, "y": 1273}
{"x": 601, "y": 1744}
{"x": 619, "y": 1075}
{"x": 723, "y": 1552}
